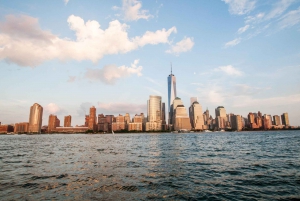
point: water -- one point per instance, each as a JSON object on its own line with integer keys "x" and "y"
{"x": 206, "y": 166}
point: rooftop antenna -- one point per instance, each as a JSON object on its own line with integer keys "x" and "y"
{"x": 171, "y": 68}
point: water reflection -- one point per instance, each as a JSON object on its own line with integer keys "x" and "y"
{"x": 224, "y": 166}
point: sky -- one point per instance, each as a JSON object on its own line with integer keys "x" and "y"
{"x": 69, "y": 55}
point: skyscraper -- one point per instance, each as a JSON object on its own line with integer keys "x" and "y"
{"x": 285, "y": 119}
{"x": 180, "y": 119}
{"x": 52, "y": 123}
{"x": 35, "y": 118}
{"x": 154, "y": 106}
{"x": 67, "y": 121}
{"x": 171, "y": 93}
{"x": 221, "y": 118}
{"x": 276, "y": 119}
{"x": 92, "y": 119}
{"x": 196, "y": 116}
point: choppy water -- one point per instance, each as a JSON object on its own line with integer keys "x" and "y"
{"x": 206, "y": 166}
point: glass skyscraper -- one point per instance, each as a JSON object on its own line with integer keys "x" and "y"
{"x": 171, "y": 92}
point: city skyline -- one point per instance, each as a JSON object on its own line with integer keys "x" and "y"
{"x": 242, "y": 56}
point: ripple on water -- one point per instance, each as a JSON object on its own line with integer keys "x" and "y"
{"x": 218, "y": 166}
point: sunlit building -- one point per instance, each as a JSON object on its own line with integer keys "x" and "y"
{"x": 52, "y": 123}
{"x": 67, "y": 121}
{"x": 221, "y": 118}
{"x": 154, "y": 107}
{"x": 171, "y": 94}
{"x": 276, "y": 120}
{"x": 119, "y": 123}
{"x": 285, "y": 119}
{"x": 21, "y": 127}
{"x": 181, "y": 120}
{"x": 196, "y": 116}
{"x": 35, "y": 118}
{"x": 236, "y": 122}
{"x": 92, "y": 119}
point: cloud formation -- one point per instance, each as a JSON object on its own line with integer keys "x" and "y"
{"x": 23, "y": 42}
{"x": 229, "y": 70}
{"x": 131, "y": 10}
{"x": 290, "y": 19}
{"x": 240, "y": 7}
{"x": 109, "y": 74}
{"x": 184, "y": 45}
{"x": 243, "y": 29}
{"x": 66, "y": 2}
{"x": 52, "y": 108}
{"x": 233, "y": 42}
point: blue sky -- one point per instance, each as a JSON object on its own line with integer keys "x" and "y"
{"x": 70, "y": 55}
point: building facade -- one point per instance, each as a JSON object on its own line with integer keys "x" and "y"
{"x": 171, "y": 94}
{"x": 196, "y": 116}
{"x": 67, "y": 121}
{"x": 285, "y": 119}
{"x": 35, "y": 118}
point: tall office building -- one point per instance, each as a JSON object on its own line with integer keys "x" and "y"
{"x": 196, "y": 116}
{"x": 52, "y": 123}
{"x": 221, "y": 118}
{"x": 171, "y": 94}
{"x": 154, "y": 107}
{"x": 276, "y": 120}
{"x": 35, "y": 118}
{"x": 285, "y": 119}
{"x": 67, "y": 121}
{"x": 180, "y": 119}
{"x": 236, "y": 122}
{"x": 92, "y": 119}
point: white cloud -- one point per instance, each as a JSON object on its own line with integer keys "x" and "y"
{"x": 290, "y": 19}
{"x": 132, "y": 10}
{"x": 229, "y": 70}
{"x": 66, "y": 2}
{"x": 254, "y": 19}
{"x": 184, "y": 45}
{"x": 243, "y": 29}
{"x": 111, "y": 73}
{"x": 279, "y": 8}
{"x": 52, "y": 108}
{"x": 121, "y": 108}
{"x": 233, "y": 42}
{"x": 240, "y": 7}
{"x": 23, "y": 42}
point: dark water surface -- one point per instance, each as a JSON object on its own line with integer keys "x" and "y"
{"x": 204, "y": 166}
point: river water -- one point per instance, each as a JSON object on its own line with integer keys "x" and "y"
{"x": 193, "y": 166}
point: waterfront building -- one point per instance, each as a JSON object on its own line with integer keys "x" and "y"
{"x": 119, "y": 123}
{"x": 285, "y": 119}
{"x": 67, "y": 121}
{"x": 251, "y": 118}
{"x": 6, "y": 129}
{"x": 236, "y": 122}
{"x": 102, "y": 123}
{"x": 21, "y": 127}
{"x": 181, "y": 120}
{"x": 265, "y": 122}
{"x": 57, "y": 122}
{"x": 154, "y": 108}
{"x": 196, "y": 116}
{"x": 86, "y": 120}
{"x": 171, "y": 94}
{"x": 109, "y": 120}
{"x": 92, "y": 123}
{"x": 35, "y": 118}
{"x": 276, "y": 120}
{"x": 221, "y": 118}
{"x": 52, "y": 123}
{"x": 137, "y": 123}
